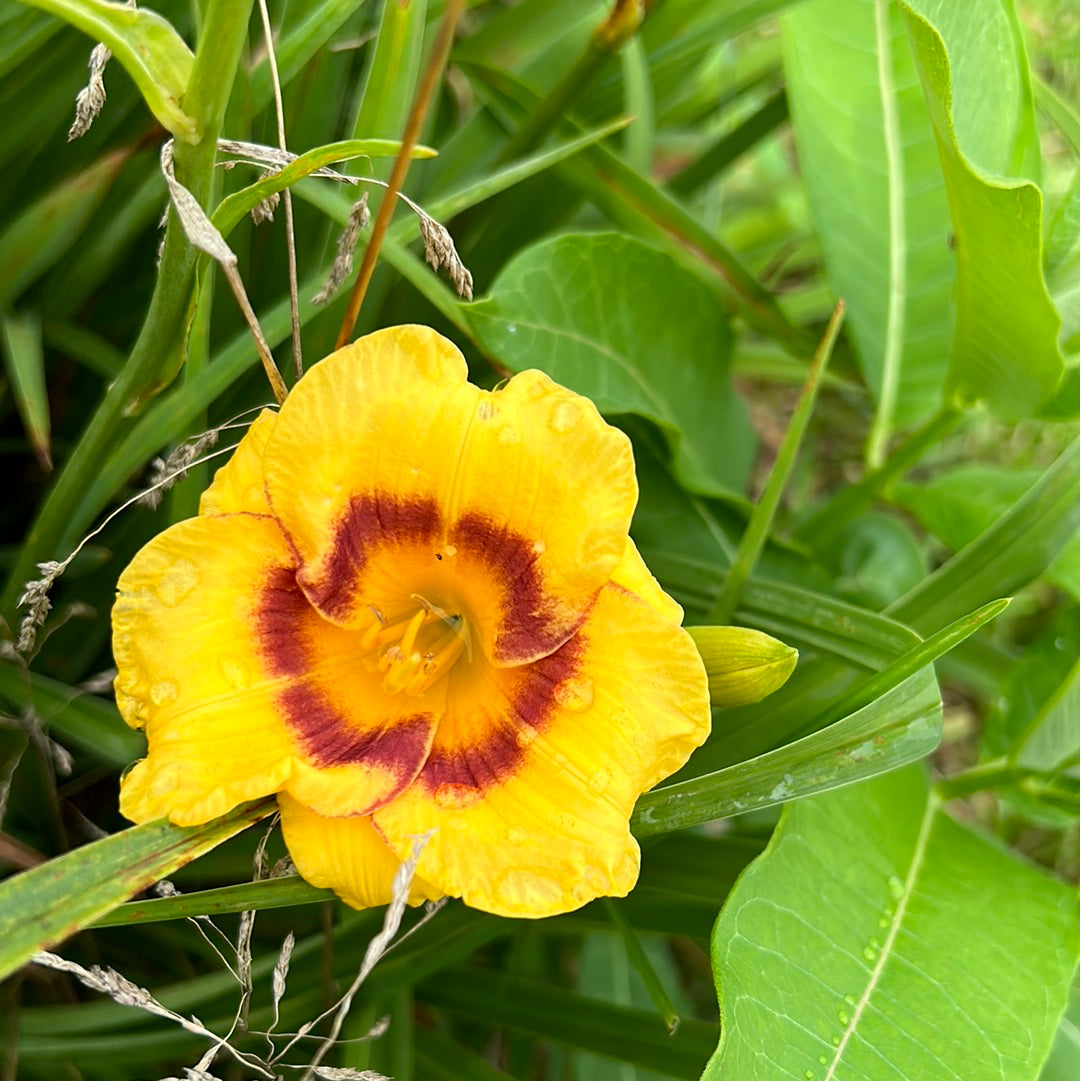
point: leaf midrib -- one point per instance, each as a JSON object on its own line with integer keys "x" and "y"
{"x": 918, "y": 857}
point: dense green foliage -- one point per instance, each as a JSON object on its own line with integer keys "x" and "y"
{"x": 906, "y": 808}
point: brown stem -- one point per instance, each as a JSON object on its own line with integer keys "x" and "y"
{"x": 432, "y": 73}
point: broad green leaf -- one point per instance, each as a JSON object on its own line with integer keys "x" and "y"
{"x": 1017, "y": 548}
{"x": 42, "y": 234}
{"x": 638, "y": 1037}
{"x": 151, "y": 51}
{"x": 24, "y": 361}
{"x": 625, "y": 325}
{"x": 642, "y": 208}
{"x": 45, "y": 905}
{"x": 960, "y": 504}
{"x": 877, "y": 196}
{"x": 1005, "y": 349}
{"x": 878, "y": 940}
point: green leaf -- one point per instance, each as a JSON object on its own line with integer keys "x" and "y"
{"x": 1017, "y": 548}
{"x": 390, "y": 82}
{"x": 638, "y": 1037}
{"x": 266, "y": 893}
{"x": 232, "y": 210}
{"x": 625, "y": 325}
{"x": 151, "y": 51}
{"x": 73, "y": 716}
{"x": 901, "y": 726}
{"x": 1036, "y": 692}
{"x": 867, "y": 943}
{"x": 1063, "y": 268}
{"x": 24, "y": 361}
{"x": 877, "y": 197}
{"x": 1005, "y": 349}
{"x": 958, "y": 505}
{"x": 42, "y": 234}
{"x": 1064, "y": 1061}
{"x": 42, "y": 907}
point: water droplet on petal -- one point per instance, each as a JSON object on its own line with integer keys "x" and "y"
{"x": 235, "y": 675}
{"x": 564, "y": 416}
{"x": 508, "y": 435}
{"x": 517, "y": 835}
{"x": 600, "y": 781}
{"x": 177, "y": 582}
{"x": 896, "y": 887}
{"x": 161, "y": 694}
{"x": 575, "y": 695}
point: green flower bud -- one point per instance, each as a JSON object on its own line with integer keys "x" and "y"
{"x": 743, "y": 665}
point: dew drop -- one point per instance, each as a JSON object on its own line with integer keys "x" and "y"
{"x": 600, "y": 780}
{"x": 564, "y": 417}
{"x": 809, "y": 1075}
{"x": 511, "y": 328}
{"x": 822, "y": 1060}
{"x": 235, "y": 675}
{"x": 575, "y": 695}
{"x": 843, "y": 1017}
{"x": 869, "y": 953}
{"x": 161, "y": 694}
{"x": 836, "y": 1041}
{"x": 517, "y": 835}
{"x": 177, "y": 582}
{"x": 508, "y": 435}
{"x": 883, "y": 922}
{"x": 896, "y": 887}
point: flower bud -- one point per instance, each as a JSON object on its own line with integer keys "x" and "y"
{"x": 743, "y": 665}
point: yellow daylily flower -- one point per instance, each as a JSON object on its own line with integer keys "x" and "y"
{"x": 411, "y": 606}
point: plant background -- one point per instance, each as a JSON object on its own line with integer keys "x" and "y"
{"x": 897, "y": 920}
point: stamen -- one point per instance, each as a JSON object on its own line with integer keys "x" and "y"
{"x": 418, "y": 649}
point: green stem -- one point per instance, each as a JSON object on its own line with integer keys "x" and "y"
{"x": 159, "y": 344}
{"x": 757, "y": 529}
{"x": 992, "y": 774}
{"x": 607, "y": 39}
{"x": 825, "y": 524}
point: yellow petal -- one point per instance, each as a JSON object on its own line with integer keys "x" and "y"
{"x": 228, "y": 667}
{"x": 631, "y": 573}
{"x": 346, "y": 855}
{"x": 534, "y": 770}
{"x": 390, "y": 473}
{"x": 238, "y": 485}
